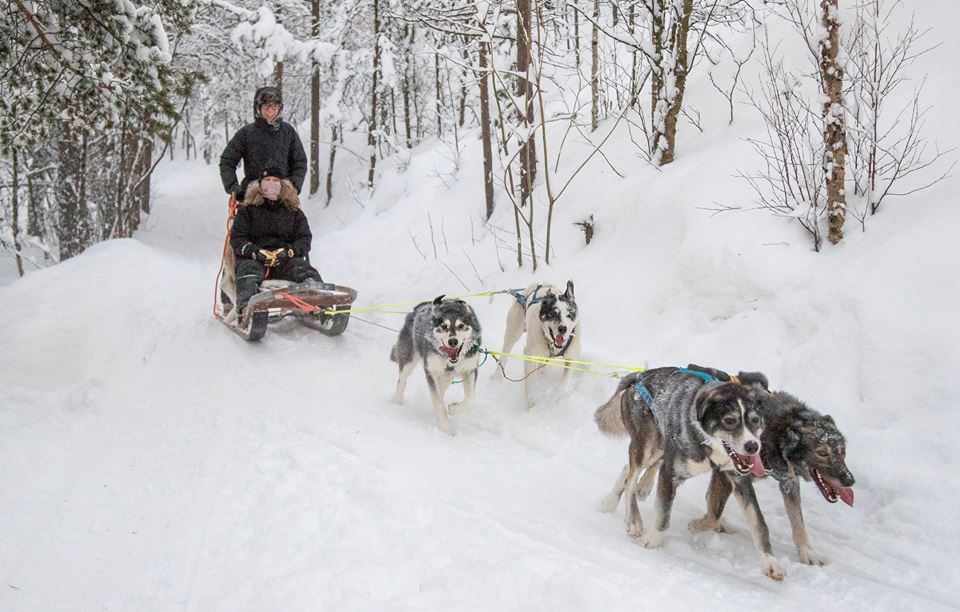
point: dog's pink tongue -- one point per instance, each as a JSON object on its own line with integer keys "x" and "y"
{"x": 846, "y": 494}
{"x": 558, "y": 341}
{"x": 757, "y": 468}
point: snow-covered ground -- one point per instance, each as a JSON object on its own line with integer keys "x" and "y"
{"x": 151, "y": 460}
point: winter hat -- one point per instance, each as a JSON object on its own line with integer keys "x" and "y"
{"x": 266, "y": 95}
{"x": 271, "y": 191}
{"x": 274, "y": 172}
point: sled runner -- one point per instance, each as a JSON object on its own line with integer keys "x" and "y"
{"x": 313, "y": 304}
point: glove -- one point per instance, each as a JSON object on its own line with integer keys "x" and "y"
{"x": 238, "y": 193}
{"x": 248, "y": 250}
{"x": 272, "y": 258}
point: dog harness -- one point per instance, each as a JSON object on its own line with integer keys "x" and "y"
{"x": 647, "y": 398}
{"x": 522, "y": 299}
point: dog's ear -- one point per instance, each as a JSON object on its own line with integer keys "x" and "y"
{"x": 569, "y": 292}
{"x": 702, "y": 403}
{"x": 828, "y": 419}
{"x": 704, "y": 399}
{"x": 754, "y": 378}
{"x": 438, "y": 300}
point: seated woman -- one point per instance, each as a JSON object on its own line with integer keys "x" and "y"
{"x": 270, "y": 232}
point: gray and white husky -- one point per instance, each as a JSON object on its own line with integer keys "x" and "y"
{"x": 682, "y": 423}
{"x": 798, "y": 443}
{"x": 443, "y": 335}
{"x": 549, "y": 318}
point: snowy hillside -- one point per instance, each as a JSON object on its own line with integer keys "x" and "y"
{"x": 152, "y": 460}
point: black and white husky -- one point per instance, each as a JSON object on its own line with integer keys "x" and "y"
{"x": 549, "y": 318}
{"x": 683, "y": 423}
{"x": 798, "y": 442}
{"x": 443, "y": 335}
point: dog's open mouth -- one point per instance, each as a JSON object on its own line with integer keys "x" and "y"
{"x": 745, "y": 464}
{"x": 559, "y": 341}
{"x": 452, "y": 352}
{"x": 831, "y": 491}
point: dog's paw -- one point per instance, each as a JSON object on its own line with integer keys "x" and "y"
{"x": 772, "y": 568}
{"x": 707, "y": 523}
{"x": 635, "y": 530}
{"x": 457, "y": 407}
{"x": 609, "y": 503}
{"x": 811, "y": 557}
{"x": 397, "y": 400}
{"x": 652, "y": 539}
{"x": 446, "y": 428}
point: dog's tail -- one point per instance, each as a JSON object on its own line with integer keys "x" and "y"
{"x": 608, "y": 416}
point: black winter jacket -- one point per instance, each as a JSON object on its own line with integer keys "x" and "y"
{"x": 261, "y": 145}
{"x": 270, "y": 225}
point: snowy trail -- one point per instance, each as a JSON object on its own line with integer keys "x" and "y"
{"x": 151, "y": 460}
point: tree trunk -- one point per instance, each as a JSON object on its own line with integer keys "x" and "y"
{"x": 666, "y": 101}
{"x": 15, "y": 203}
{"x": 73, "y": 226}
{"x": 207, "y": 136}
{"x": 528, "y": 151}
{"x": 438, "y": 91}
{"x": 576, "y": 39}
{"x": 113, "y": 219}
{"x": 485, "y": 131}
{"x": 371, "y": 134}
{"x": 36, "y": 198}
{"x": 595, "y": 68}
{"x": 834, "y": 131}
{"x": 408, "y": 35}
{"x": 315, "y": 107}
{"x": 463, "y": 83}
{"x": 278, "y": 66}
{"x": 333, "y": 156}
{"x": 634, "y": 86}
{"x": 141, "y": 192}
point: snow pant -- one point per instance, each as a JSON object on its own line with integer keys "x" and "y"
{"x": 250, "y": 273}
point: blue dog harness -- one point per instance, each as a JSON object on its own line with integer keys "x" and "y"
{"x": 521, "y": 297}
{"x": 647, "y": 398}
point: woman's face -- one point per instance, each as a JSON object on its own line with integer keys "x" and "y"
{"x": 270, "y": 186}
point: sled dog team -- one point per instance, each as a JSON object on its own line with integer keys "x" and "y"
{"x": 681, "y": 422}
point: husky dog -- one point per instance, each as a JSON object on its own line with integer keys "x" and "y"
{"x": 798, "y": 442}
{"x": 444, "y": 335}
{"x": 682, "y": 423}
{"x": 544, "y": 308}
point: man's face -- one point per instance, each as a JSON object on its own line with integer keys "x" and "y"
{"x": 270, "y": 110}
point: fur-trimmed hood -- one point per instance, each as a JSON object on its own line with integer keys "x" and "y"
{"x": 288, "y": 195}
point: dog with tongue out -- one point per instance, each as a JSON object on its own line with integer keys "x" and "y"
{"x": 549, "y": 317}
{"x": 798, "y": 443}
{"x": 683, "y": 423}
{"x": 443, "y": 336}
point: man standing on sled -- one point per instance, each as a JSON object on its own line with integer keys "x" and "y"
{"x": 270, "y": 236}
{"x": 268, "y": 142}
